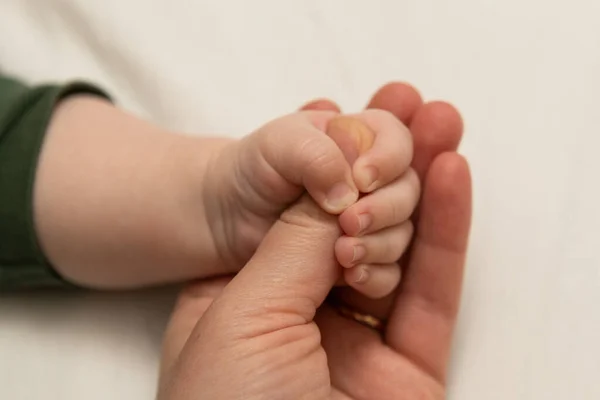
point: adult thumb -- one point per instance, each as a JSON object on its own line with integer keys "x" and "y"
{"x": 287, "y": 279}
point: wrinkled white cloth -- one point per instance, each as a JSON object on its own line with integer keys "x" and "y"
{"x": 525, "y": 73}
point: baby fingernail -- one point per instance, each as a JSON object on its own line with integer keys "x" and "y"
{"x": 366, "y": 177}
{"x": 363, "y": 274}
{"x": 358, "y": 252}
{"x": 364, "y": 221}
{"x": 340, "y": 197}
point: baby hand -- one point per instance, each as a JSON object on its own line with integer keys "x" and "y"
{"x": 378, "y": 229}
{"x": 255, "y": 179}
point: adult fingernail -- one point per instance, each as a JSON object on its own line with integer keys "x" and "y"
{"x": 340, "y": 197}
{"x": 358, "y": 252}
{"x": 364, "y": 221}
{"x": 366, "y": 178}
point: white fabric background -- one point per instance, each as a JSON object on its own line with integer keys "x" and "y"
{"x": 525, "y": 73}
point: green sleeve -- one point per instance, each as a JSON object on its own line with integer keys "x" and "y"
{"x": 24, "y": 116}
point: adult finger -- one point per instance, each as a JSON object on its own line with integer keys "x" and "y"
{"x": 400, "y": 99}
{"x": 436, "y": 127}
{"x": 261, "y": 324}
{"x": 286, "y": 280}
{"x": 424, "y": 315}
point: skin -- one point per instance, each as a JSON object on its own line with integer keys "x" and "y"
{"x": 369, "y": 253}
{"x": 121, "y": 204}
{"x": 285, "y": 343}
{"x": 390, "y": 152}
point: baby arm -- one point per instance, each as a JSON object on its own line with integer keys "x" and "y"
{"x": 119, "y": 203}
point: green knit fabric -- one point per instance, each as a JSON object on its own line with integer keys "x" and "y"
{"x": 25, "y": 113}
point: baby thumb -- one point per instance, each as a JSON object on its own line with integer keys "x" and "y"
{"x": 287, "y": 279}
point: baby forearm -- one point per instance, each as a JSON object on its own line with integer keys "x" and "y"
{"x": 118, "y": 202}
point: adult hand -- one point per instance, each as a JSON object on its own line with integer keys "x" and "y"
{"x": 258, "y": 340}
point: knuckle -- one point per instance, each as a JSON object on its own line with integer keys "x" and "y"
{"x": 318, "y": 118}
{"x": 400, "y": 208}
{"x": 410, "y": 187}
{"x": 400, "y": 240}
{"x": 386, "y": 118}
{"x": 413, "y": 180}
{"x": 406, "y": 148}
{"x": 379, "y": 114}
{"x": 391, "y": 249}
{"x": 291, "y": 140}
{"x": 397, "y": 136}
{"x": 280, "y": 129}
{"x": 274, "y": 127}
{"x": 268, "y": 136}
{"x": 396, "y": 210}
{"x": 404, "y": 237}
{"x": 317, "y": 155}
